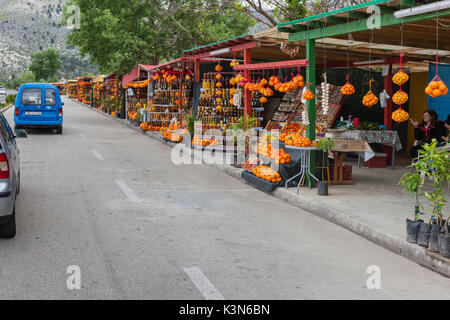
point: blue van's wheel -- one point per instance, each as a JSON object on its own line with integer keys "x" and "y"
{"x": 59, "y": 130}
{"x": 8, "y": 230}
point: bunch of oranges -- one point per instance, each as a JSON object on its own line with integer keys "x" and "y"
{"x": 273, "y": 81}
{"x": 436, "y": 89}
{"x": 370, "y": 99}
{"x": 348, "y": 89}
{"x": 143, "y": 126}
{"x": 292, "y": 127}
{"x": 202, "y": 142}
{"x": 267, "y": 174}
{"x": 281, "y": 157}
{"x": 298, "y": 140}
{"x": 400, "y": 98}
{"x": 400, "y": 115}
{"x": 308, "y": 95}
{"x": 219, "y": 68}
{"x": 153, "y": 128}
{"x": 234, "y": 63}
{"x": 400, "y": 78}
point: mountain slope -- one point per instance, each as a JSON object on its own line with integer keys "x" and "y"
{"x": 31, "y": 25}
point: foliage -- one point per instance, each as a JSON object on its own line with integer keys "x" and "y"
{"x": 45, "y": 64}
{"x": 435, "y": 164}
{"x": 190, "y": 125}
{"x": 325, "y": 144}
{"x": 366, "y": 125}
{"x": 11, "y": 99}
{"x": 26, "y": 77}
{"x": 245, "y": 123}
{"x": 118, "y": 37}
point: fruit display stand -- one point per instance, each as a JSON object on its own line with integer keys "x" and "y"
{"x": 99, "y": 92}
{"x": 72, "y": 89}
{"x": 136, "y": 100}
{"x": 85, "y": 90}
{"x": 217, "y": 105}
{"x": 171, "y": 97}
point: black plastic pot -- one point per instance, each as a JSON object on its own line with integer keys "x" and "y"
{"x": 444, "y": 242}
{"x": 433, "y": 244}
{"x": 323, "y": 188}
{"x": 412, "y": 229}
{"x": 423, "y": 237}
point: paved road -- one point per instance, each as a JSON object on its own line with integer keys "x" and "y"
{"x": 108, "y": 200}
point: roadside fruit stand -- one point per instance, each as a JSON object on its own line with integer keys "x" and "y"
{"x": 72, "y": 89}
{"x": 99, "y": 92}
{"x": 136, "y": 88}
{"x": 85, "y": 90}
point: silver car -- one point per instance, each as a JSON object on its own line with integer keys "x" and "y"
{"x": 9, "y": 178}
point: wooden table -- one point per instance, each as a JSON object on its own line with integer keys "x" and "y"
{"x": 341, "y": 148}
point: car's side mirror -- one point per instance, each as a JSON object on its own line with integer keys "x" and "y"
{"x": 21, "y": 133}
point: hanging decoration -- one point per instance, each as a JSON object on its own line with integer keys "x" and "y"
{"x": 400, "y": 97}
{"x": 325, "y": 94}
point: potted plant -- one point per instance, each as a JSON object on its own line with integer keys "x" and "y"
{"x": 323, "y": 145}
{"x": 413, "y": 183}
{"x": 434, "y": 164}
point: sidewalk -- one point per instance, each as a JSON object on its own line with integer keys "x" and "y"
{"x": 374, "y": 208}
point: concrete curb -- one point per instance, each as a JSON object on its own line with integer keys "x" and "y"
{"x": 401, "y": 247}
{"x": 6, "y": 108}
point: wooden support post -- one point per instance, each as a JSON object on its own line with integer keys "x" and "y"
{"x": 197, "y": 70}
{"x": 247, "y": 75}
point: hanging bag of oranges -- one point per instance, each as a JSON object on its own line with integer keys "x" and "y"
{"x": 370, "y": 99}
{"x": 436, "y": 87}
{"x": 308, "y": 95}
{"x": 400, "y": 97}
{"x": 348, "y": 89}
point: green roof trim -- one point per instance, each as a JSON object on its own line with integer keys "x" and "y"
{"x": 331, "y": 13}
{"x": 211, "y": 44}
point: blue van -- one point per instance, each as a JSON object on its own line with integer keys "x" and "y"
{"x": 38, "y": 105}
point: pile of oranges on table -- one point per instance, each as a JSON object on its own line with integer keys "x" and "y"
{"x": 297, "y": 140}
{"x": 153, "y": 128}
{"x": 267, "y": 174}
{"x": 279, "y": 155}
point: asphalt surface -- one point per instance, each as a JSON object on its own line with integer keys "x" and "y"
{"x": 109, "y": 200}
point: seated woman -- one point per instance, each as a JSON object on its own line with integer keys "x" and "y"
{"x": 431, "y": 128}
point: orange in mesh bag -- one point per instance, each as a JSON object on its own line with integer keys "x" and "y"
{"x": 436, "y": 87}
{"x": 370, "y": 99}
{"x": 400, "y": 115}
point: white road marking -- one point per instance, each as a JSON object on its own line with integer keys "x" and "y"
{"x": 203, "y": 284}
{"x": 98, "y": 155}
{"x": 128, "y": 192}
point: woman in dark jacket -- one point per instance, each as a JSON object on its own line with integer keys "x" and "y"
{"x": 431, "y": 128}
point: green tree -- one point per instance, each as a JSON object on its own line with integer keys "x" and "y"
{"x": 118, "y": 37}
{"x": 26, "y": 77}
{"x": 45, "y": 64}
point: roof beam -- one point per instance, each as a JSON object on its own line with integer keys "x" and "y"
{"x": 235, "y": 48}
{"x": 273, "y": 65}
{"x": 333, "y": 19}
{"x": 361, "y": 25}
{"x": 357, "y": 15}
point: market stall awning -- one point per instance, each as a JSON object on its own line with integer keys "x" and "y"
{"x": 99, "y": 79}
{"x": 404, "y": 26}
{"x": 139, "y": 72}
{"x": 174, "y": 63}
